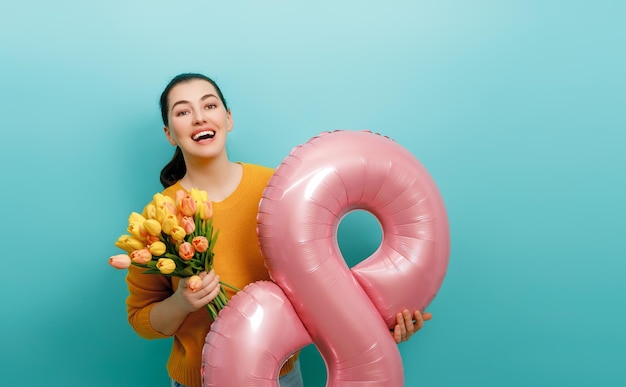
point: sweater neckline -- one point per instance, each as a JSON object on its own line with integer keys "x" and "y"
{"x": 239, "y": 193}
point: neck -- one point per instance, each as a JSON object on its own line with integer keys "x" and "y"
{"x": 218, "y": 177}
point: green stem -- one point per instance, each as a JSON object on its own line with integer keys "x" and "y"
{"x": 230, "y": 286}
{"x": 212, "y": 311}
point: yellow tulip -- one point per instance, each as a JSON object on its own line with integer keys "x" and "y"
{"x": 152, "y": 227}
{"x": 178, "y": 233}
{"x": 135, "y": 217}
{"x": 205, "y": 210}
{"x": 164, "y": 205}
{"x": 160, "y": 200}
{"x": 137, "y": 230}
{"x": 157, "y": 248}
{"x": 166, "y": 265}
{"x": 129, "y": 243}
{"x": 169, "y": 222}
{"x": 198, "y": 195}
{"x": 150, "y": 211}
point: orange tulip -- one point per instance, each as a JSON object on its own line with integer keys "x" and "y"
{"x": 142, "y": 256}
{"x": 186, "y": 251}
{"x": 189, "y": 224}
{"x": 200, "y": 243}
{"x": 185, "y": 203}
{"x": 194, "y": 283}
{"x": 120, "y": 261}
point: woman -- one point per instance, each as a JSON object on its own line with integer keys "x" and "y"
{"x": 197, "y": 122}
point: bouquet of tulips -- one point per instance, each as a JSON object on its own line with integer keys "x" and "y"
{"x": 175, "y": 238}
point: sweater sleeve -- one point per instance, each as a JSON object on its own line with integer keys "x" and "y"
{"x": 145, "y": 290}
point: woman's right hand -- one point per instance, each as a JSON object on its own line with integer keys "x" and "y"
{"x": 193, "y": 298}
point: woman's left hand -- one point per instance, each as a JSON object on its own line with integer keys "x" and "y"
{"x": 407, "y": 324}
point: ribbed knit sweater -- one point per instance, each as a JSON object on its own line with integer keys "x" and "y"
{"x": 238, "y": 262}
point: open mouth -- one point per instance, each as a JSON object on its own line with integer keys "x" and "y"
{"x": 203, "y": 135}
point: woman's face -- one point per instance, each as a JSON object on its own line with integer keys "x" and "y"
{"x": 198, "y": 121}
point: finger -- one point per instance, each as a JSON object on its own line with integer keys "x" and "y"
{"x": 401, "y": 327}
{"x": 427, "y": 316}
{"x": 401, "y": 323}
{"x": 419, "y": 320}
{"x": 397, "y": 334}
{"x": 408, "y": 322}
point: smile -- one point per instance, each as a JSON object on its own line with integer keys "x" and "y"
{"x": 203, "y": 135}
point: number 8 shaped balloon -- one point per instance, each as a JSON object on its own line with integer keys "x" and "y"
{"x": 315, "y": 297}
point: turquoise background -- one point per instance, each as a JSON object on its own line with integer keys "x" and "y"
{"x": 517, "y": 109}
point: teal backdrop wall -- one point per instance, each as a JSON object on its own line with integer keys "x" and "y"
{"x": 517, "y": 109}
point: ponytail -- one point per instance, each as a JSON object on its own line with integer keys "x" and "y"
{"x": 174, "y": 170}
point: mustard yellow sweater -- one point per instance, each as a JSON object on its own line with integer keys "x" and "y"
{"x": 238, "y": 262}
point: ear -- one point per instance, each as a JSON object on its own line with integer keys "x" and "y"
{"x": 166, "y": 130}
{"x": 229, "y": 118}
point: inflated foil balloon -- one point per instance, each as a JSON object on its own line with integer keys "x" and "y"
{"x": 346, "y": 313}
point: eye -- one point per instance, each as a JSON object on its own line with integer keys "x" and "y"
{"x": 210, "y": 106}
{"x": 182, "y": 113}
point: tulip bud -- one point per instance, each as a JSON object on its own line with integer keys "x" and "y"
{"x": 178, "y": 233}
{"x": 171, "y": 208}
{"x": 185, "y": 203}
{"x": 206, "y": 210}
{"x": 164, "y": 205}
{"x": 157, "y": 248}
{"x": 186, "y": 251}
{"x": 150, "y": 239}
{"x": 189, "y": 224}
{"x": 166, "y": 265}
{"x": 194, "y": 283}
{"x": 120, "y": 261}
{"x": 129, "y": 243}
{"x": 150, "y": 211}
{"x": 169, "y": 222}
{"x": 200, "y": 244}
{"x": 142, "y": 256}
{"x": 152, "y": 227}
{"x": 137, "y": 230}
{"x": 136, "y": 218}
{"x": 198, "y": 195}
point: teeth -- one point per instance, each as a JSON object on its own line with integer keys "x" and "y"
{"x": 204, "y": 134}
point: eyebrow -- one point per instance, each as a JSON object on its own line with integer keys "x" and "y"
{"x": 206, "y": 96}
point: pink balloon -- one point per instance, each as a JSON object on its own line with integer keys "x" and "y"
{"x": 252, "y": 337}
{"x": 347, "y": 313}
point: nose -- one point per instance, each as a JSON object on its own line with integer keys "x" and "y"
{"x": 198, "y": 116}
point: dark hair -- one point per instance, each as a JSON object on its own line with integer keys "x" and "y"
{"x": 176, "y": 168}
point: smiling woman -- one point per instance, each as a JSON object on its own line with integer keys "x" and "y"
{"x": 197, "y": 122}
